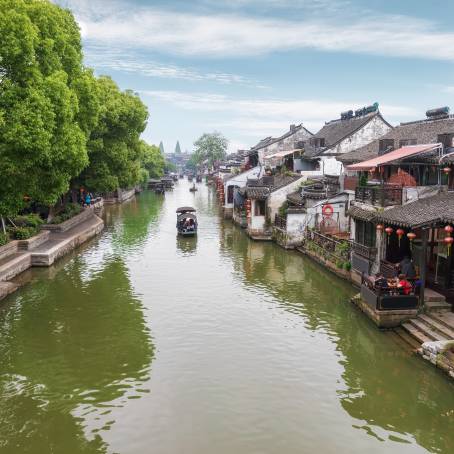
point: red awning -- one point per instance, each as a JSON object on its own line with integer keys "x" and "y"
{"x": 395, "y": 155}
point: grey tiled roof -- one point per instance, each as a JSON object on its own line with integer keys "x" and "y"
{"x": 359, "y": 213}
{"x": 296, "y": 199}
{"x": 257, "y": 192}
{"x": 270, "y": 140}
{"x": 423, "y": 212}
{"x": 335, "y": 131}
{"x": 265, "y": 186}
{"x": 425, "y": 131}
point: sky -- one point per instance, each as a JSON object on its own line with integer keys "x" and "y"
{"x": 250, "y": 68}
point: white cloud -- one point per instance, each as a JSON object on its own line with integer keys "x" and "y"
{"x": 129, "y": 62}
{"x": 257, "y": 117}
{"x": 227, "y": 35}
{"x": 448, "y": 89}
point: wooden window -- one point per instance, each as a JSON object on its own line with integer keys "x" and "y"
{"x": 260, "y": 207}
{"x": 365, "y": 233}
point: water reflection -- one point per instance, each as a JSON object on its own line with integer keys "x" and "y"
{"x": 186, "y": 245}
{"x": 392, "y": 395}
{"x": 131, "y": 222}
{"x": 71, "y": 346}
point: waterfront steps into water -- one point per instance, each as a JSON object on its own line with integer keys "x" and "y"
{"x": 43, "y": 250}
{"x": 430, "y": 327}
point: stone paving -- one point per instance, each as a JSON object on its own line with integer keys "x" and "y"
{"x": 56, "y": 245}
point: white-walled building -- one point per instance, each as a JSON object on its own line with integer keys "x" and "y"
{"x": 341, "y": 136}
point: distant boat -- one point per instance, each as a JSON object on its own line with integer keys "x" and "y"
{"x": 186, "y": 221}
{"x": 159, "y": 188}
{"x": 167, "y": 182}
{"x": 193, "y": 188}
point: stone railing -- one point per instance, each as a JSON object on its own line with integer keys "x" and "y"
{"x": 70, "y": 223}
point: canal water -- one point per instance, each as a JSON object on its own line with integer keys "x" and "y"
{"x": 142, "y": 342}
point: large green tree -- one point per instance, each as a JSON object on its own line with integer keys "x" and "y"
{"x": 48, "y": 102}
{"x": 177, "y": 148}
{"x": 114, "y": 145}
{"x": 209, "y": 147}
{"x": 152, "y": 160}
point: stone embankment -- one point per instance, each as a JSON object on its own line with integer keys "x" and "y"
{"x": 51, "y": 243}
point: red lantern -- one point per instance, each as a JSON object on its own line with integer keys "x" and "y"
{"x": 389, "y": 231}
{"x": 248, "y": 208}
{"x": 448, "y": 241}
{"x": 380, "y": 227}
{"x": 447, "y": 170}
{"x": 411, "y": 236}
{"x": 400, "y": 233}
{"x": 449, "y": 229}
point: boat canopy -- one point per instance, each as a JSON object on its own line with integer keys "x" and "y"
{"x": 187, "y": 216}
{"x": 186, "y": 210}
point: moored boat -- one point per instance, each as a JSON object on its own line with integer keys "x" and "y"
{"x": 186, "y": 221}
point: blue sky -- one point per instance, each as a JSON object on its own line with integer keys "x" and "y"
{"x": 249, "y": 68}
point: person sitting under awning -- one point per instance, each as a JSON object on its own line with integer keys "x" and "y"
{"x": 407, "y": 268}
{"x": 404, "y": 285}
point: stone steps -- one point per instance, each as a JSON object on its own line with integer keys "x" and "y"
{"x": 407, "y": 338}
{"x": 415, "y": 333}
{"x": 429, "y": 327}
{"x": 444, "y": 318}
{"x": 442, "y": 328}
{"x": 14, "y": 264}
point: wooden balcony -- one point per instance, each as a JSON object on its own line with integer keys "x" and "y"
{"x": 367, "y": 252}
{"x": 382, "y": 196}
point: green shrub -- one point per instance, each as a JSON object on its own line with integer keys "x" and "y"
{"x": 29, "y": 220}
{"x": 23, "y": 233}
{"x": 4, "y": 238}
{"x": 70, "y": 210}
{"x": 347, "y": 266}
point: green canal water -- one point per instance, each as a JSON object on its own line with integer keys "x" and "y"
{"x": 141, "y": 342}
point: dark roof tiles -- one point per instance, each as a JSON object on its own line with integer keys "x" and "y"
{"x": 425, "y": 131}
{"x": 424, "y": 212}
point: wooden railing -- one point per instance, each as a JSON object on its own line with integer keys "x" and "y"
{"x": 367, "y": 252}
{"x": 338, "y": 250}
{"x": 280, "y": 222}
{"x": 379, "y": 196}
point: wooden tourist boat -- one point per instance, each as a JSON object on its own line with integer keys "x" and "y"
{"x": 186, "y": 221}
{"x": 193, "y": 188}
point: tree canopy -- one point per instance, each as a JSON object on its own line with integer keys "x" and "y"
{"x": 152, "y": 160}
{"x": 161, "y": 147}
{"x": 46, "y": 102}
{"x": 209, "y": 147}
{"x": 177, "y": 148}
{"x": 114, "y": 146}
{"x": 59, "y": 124}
